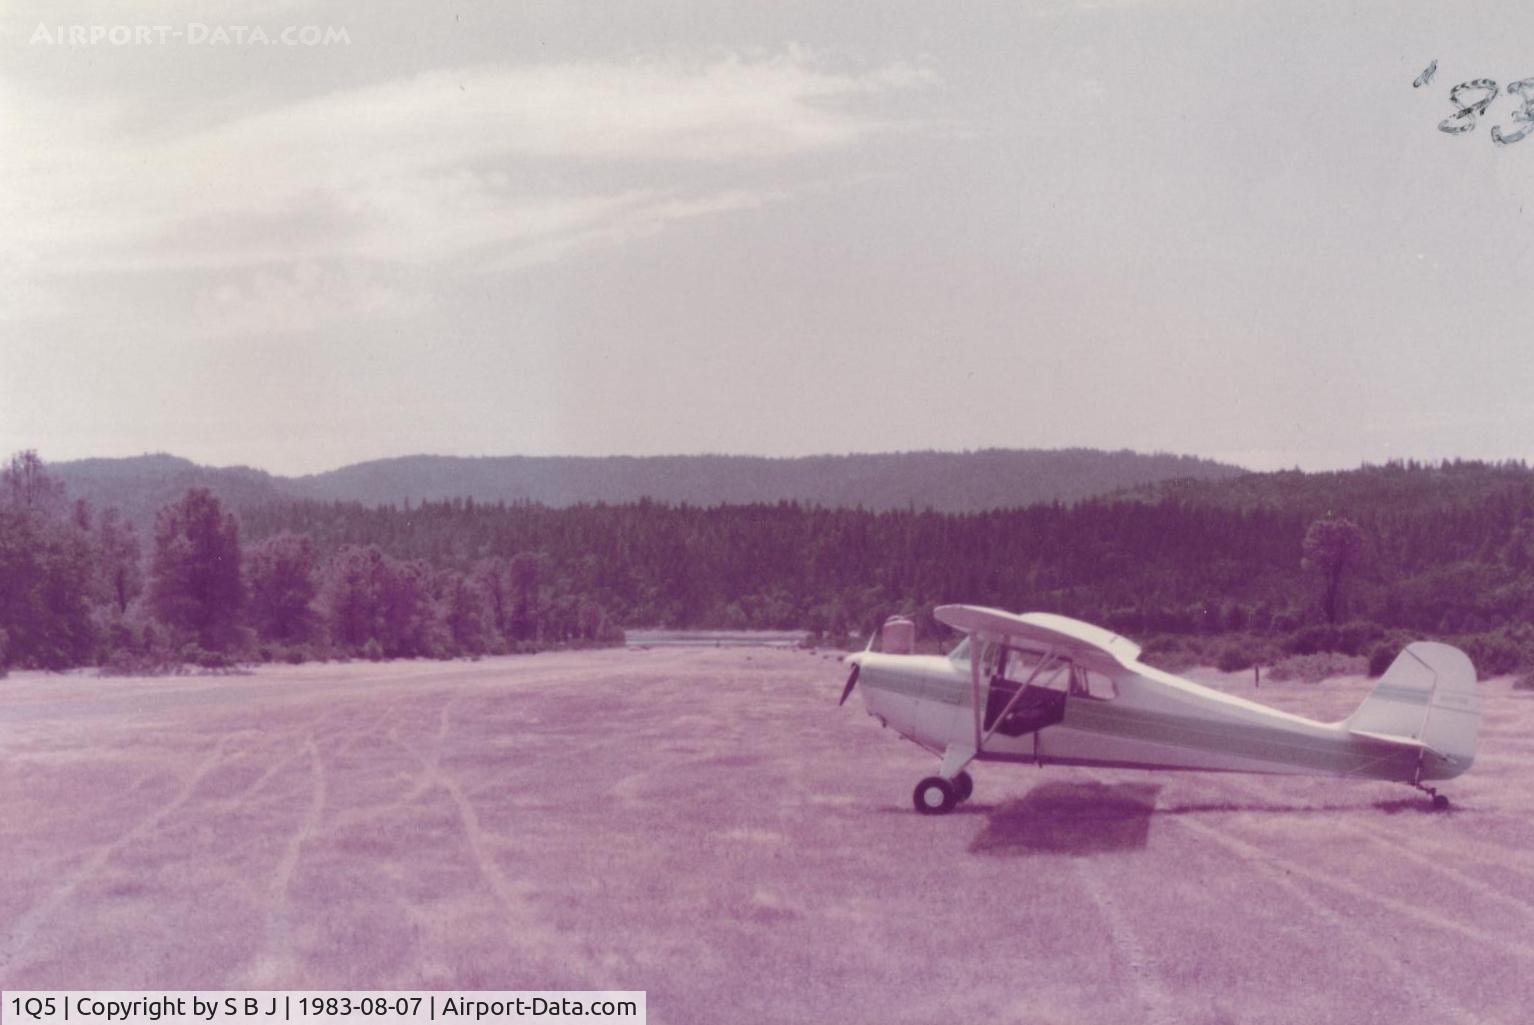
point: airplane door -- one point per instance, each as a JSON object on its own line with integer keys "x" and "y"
{"x": 1034, "y": 688}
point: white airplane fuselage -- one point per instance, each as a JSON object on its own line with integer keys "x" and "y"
{"x": 1153, "y": 720}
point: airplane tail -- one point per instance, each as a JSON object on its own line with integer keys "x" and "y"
{"x": 1427, "y": 696}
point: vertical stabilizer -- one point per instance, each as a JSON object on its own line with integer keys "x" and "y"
{"x": 1427, "y": 695}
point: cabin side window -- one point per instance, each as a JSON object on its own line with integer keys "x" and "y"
{"x": 1094, "y": 686}
{"x": 1036, "y": 669}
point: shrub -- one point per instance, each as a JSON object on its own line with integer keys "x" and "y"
{"x": 1349, "y": 638}
{"x": 1310, "y": 640}
{"x": 1318, "y": 666}
{"x": 1525, "y": 682}
{"x": 1172, "y": 658}
{"x": 1233, "y": 659}
{"x": 1496, "y": 653}
{"x": 123, "y": 662}
{"x": 372, "y": 650}
{"x": 1381, "y": 657}
{"x": 196, "y": 655}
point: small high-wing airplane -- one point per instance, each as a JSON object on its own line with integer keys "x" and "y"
{"x": 1051, "y": 690}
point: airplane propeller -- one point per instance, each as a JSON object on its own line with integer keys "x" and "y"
{"x": 852, "y": 681}
{"x": 857, "y": 665}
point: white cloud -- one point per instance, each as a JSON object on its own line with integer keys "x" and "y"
{"x": 417, "y": 170}
{"x": 296, "y": 298}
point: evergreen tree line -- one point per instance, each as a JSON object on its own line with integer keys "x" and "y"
{"x": 1283, "y": 568}
{"x": 1358, "y": 563}
{"x": 1136, "y": 566}
{"x": 78, "y": 588}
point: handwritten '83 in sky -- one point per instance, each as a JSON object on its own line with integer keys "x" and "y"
{"x": 1468, "y": 108}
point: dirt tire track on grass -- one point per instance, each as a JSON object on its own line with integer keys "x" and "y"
{"x": 431, "y": 761}
{"x": 256, "y": 785}
{"x": 1503, "y": 864}
{"x": 1499, "y": 894}
{"x": 1360, "y": 892}
{"x": 319, "y": 791}
{"x": 25, "y": 925}
{"x": 1364, "y": 939}
{"x": 1448, "y": 871}
{"x": 271, "y": 963}
{"x": 529, "y": 926}
{"x": 1145, "y": 982}
{"x": 478, "y": 841}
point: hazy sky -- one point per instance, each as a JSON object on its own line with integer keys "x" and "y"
{"x": 1222, "y": 228}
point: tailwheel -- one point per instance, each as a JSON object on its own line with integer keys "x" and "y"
{"x": 963, "y": 786}
{"x": 934, "y": 796}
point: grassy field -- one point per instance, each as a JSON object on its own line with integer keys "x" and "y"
{"x": 707, "y": 825}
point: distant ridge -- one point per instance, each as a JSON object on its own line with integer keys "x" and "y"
{"x": 945, "y": 481}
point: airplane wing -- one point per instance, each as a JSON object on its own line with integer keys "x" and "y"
{"x": 1085, "y": 644}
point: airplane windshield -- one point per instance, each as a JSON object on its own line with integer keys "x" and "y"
{"x": 960, "y": 653}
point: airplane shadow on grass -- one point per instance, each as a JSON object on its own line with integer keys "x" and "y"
{"x": 1069, "y": 818}
{"x": 1095, "y": 818}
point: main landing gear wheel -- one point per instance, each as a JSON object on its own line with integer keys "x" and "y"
{"x": 964, "y": 786}
{"x": 934, "y": 796}
{"x": 1440, "y": 802}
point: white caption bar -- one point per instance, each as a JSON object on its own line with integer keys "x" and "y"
{"x": 319, "y": 1007}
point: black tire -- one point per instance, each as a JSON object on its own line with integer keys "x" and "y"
{"x": 964, "y": 786}
{"x": 934, "y": 796}
{"x": 1440, "y": 802}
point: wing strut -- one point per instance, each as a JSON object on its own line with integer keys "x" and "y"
{"x": 976, "y": 656}
{"x": 1047, "y": 662}
{"x": 976, "y": 652}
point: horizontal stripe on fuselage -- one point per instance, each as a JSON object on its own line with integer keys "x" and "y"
{"x": 951, "y": 691}
{"x": 1330, "y": 754}
{"x": 1335, "y": 754}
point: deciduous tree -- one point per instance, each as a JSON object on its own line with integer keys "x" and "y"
{"x": 45, "y": 572}
{"x": 120, "y": 577}
{"x": 27, "y": 486}
{"x": 1332, "y": 546}
{"x": 279, "y": 574}
{"x": 194, "y": 583}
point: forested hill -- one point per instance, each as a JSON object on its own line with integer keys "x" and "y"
{"x": 1394, "y": 488}
{"x": 942, "y": 481}
{"x": 142, "y": 485}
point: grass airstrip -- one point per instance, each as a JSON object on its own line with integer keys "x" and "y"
{"x": 706, "y": 825}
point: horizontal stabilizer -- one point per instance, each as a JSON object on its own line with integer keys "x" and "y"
{"x": 1415, "y": 745}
